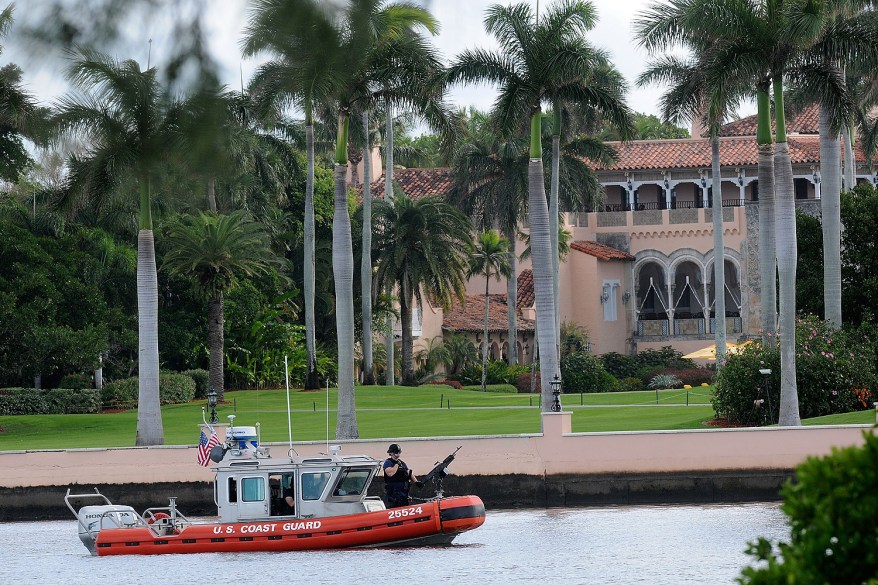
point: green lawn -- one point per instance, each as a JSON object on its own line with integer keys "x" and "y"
{"x": 382, "y": 412}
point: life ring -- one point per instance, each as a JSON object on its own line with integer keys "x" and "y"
{"x": 158, "y": 517}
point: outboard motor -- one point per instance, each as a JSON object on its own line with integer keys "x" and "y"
{"x": 94, "y": 518}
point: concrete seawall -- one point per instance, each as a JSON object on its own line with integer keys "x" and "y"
{"x": 553, "y": 468}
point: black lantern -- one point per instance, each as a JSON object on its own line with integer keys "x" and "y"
{"x": 556, "y": 394}
{"x": 211, "y": 403}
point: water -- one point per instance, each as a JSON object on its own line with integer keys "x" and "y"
{"x": 625, "y": 545}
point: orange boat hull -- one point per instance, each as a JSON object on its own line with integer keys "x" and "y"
{"x": 437, "y": 521}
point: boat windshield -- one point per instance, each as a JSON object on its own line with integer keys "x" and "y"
{"x": 352, "y": 482}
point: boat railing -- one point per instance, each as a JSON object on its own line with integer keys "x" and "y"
{"x": 97, "y": 495}
{"x": 164, "y": 520}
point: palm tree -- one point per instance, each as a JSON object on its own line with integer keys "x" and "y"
{"x": 755, "y": 42}
{"x": 131, "y": 128}
{"x": 602, "y": 97}
{"x": 352, "y": 47}
{"x": 305, "y": 71}
{"x": 849, "y": 37}
{"x": 690, "y": 97}
{"x": 490, "y": 187}
{"x": 215, "y": 251}
{"x": 422, "y": 250}
{"x": 536, "y": 62}
{"x": 490, "y": 258}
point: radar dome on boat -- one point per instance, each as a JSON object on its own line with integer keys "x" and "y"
{"x": 245, "y": 437}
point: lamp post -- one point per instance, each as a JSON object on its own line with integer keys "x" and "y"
{"x": 556, "y": 394}
{"x": 766, "y": 372}
{"x": 211, "y": 403}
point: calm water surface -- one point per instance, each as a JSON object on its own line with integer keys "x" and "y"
{"x": 632, "y": 544}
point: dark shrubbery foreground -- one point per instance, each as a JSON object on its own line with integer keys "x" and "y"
{"x": 831, "y": 507}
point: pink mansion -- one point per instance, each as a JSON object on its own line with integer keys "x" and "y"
{"x": 639, "y": 274}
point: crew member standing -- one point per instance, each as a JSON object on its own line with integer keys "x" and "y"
{"x": 397, "y": 478}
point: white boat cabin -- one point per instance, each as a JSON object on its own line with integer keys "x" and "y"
{"x": 253, "y": 486}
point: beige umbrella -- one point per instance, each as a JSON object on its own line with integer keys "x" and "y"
{"x": 709, "y": 352}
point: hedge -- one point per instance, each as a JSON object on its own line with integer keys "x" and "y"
{"x": 492, "y": 388}
{"x": 17, "y": 401}
{"x": 174, "y": 388}
{"x": 202, "y": 381}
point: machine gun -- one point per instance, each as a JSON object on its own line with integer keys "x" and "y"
{"x": 438, "y": 473}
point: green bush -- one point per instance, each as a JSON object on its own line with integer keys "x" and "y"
{"x": 202, "y": 381}
{"x": 631, "y": 385}
{"x": 20, "y": 401}
{"x": 583, "y": 372}
{"x": 76, "y": 381}
{"x": 498, "y": 372}
{"x": 500, "y": 388}
{"x": 15, "y": 401}
{"x": 835, "y": 373}
{"x": 74, "y": 400}
{"x": 174, "y": 388}
{"x": 120, "y": 393}
{"x": 620, "y": 366}
{"x": 831, "y": 507}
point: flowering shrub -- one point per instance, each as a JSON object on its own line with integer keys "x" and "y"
{"x": 835, "y": 372}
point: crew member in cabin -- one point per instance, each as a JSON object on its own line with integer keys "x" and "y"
{"x": 288, "y": 496}
{"x": 398, "y": 478}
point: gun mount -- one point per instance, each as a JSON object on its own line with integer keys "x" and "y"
{"x": 438, "y": 473}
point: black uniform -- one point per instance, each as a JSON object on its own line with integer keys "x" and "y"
{"x": 396, "y": 486}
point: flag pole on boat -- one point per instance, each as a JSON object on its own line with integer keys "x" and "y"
{"x": 289, "y": 416}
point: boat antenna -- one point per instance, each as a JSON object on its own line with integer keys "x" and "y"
{"x": 149, "y": 55}
{"x": 327, "y": 414}
{"x": 289, "y": 415}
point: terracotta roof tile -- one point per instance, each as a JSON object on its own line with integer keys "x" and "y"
{"x": 525, "y": 289}
{"x": 470, "y": 316}
{"x": 600, "y": 251}
{"x": 695, "y": 153}
{"x": 415, "y": 183}
{"x": 804, "y": 122}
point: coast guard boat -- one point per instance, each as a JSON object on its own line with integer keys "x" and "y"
{"x": 331, "y": 508}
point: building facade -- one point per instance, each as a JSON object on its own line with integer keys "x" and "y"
{"x": 640, "y": 273}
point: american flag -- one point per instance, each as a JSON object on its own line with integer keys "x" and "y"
{"x": 204, "y": 447}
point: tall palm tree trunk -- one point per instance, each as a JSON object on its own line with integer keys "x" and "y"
{"x": 719, "y": 256}
{"x": 512, "y": 299}
{"x": 850, "y": 163}
{"x": 390, "y": 375}
{"x": 366, "y": 261}
{"x": 405, "y": 315}
{"x": 553, "y": 221}
{"x": 211, "y": 193}
{"x": 830, "y": 207}
{"x": 485, "y": 333}
{"x": 786, "y": 266}
{"x": 343, "y": 271}
{"x": 767, "y": 252}
{"x": 215, "y": 339}
{"x": 149, "y": 414}
{"x": 311, "y": 381}
{"x": 541, "y": 251}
